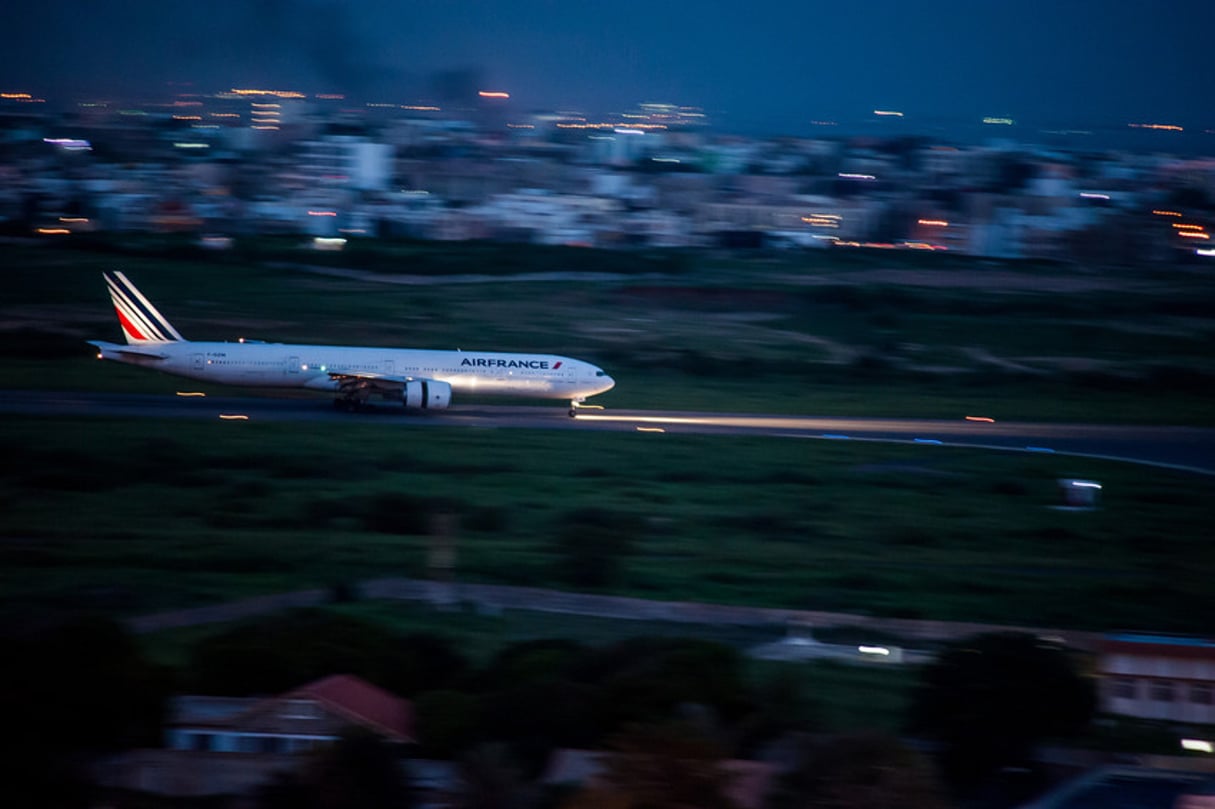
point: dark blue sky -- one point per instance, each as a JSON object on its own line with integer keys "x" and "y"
{"x": 765, "y": 65}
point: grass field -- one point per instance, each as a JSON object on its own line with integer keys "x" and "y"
{"x": 141, "y": 516}
{"x": 136, "y": 516}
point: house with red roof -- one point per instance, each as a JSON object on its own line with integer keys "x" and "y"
{"x": 228, "y": 746}
{"x": 299, "y": 720}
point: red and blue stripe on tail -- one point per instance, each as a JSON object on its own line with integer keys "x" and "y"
{"x": 141, "y": 322}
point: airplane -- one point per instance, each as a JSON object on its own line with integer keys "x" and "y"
{"x": 419, "y": 379}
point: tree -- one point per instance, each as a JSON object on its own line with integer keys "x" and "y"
{"x": 358, "y": 771}
{"x": 863, "y": 771}
{"x": 489, "y": 779}
{"x": 670, "y": 765}
{"x": 280, "y": 652}
{"x": 990, "y": 699}
{"x": 67, "y": 692}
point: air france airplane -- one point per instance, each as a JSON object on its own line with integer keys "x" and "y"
{"x": 417, "y": 378}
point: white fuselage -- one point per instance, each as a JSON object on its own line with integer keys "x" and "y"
{"x": 283, "y": 365}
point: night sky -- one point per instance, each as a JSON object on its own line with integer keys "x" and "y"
{"x": 767, "y": 66}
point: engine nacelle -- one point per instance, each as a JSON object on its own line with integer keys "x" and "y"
{"x": 426, "y": 394}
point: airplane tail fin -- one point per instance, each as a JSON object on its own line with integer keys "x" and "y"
{"x": 141, "y": 321}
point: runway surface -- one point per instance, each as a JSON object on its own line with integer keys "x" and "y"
{"x": 1185, "y": 448}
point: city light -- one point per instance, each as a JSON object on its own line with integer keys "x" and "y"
{"x": 999, "y": 121}
{"x": 1093, "y": 195}
{"x": 1166, "y": 127}
{"x": 493, "y": 94}
{"x": 615, "y": 127}
{"x": 22, "y": 98}
{"x": 852, "y": 176}
{"x": 888, "y": 113}
{"x": 936, "y": 223}
{"x": 1166, "y": 213}
{"x": 823, "y": 220}
{"x": 70, "y": 144}
{"x": 273, "y": 93}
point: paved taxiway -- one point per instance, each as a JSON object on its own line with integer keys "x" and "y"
{"x": 1186, "y": 448}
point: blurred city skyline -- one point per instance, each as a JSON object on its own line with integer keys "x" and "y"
{"x": 773, "y": 68}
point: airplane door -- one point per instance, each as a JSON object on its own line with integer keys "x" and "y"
{"x": 293, "y": 365}
{"x": 388, "y": 367}
{"x": 199, "y": 363}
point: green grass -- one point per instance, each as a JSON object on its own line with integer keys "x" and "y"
{"x": 139, "y": 516}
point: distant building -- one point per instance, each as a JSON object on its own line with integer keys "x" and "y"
{"x": 346, "y": 161}
{"x": 1158, "y": 677}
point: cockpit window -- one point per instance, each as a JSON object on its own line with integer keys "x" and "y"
{"x": 599, "y": 373}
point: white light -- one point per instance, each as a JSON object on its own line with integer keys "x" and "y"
{"x": 881, "y": 651}
{"x": 1197, "y": 745}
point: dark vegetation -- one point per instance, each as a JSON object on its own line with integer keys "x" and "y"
{"x": 153, "y": 515}
{"x": 658, "y": 702}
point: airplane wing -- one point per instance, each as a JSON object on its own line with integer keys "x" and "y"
{"x": 369, "y": 380}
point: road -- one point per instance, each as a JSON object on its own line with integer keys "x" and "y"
{"x": 1185, "y": 448}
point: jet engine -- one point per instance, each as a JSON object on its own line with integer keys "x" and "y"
{"x": 426, "y": 394}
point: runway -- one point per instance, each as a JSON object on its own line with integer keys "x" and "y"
{"x": 1189, "y": 449}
